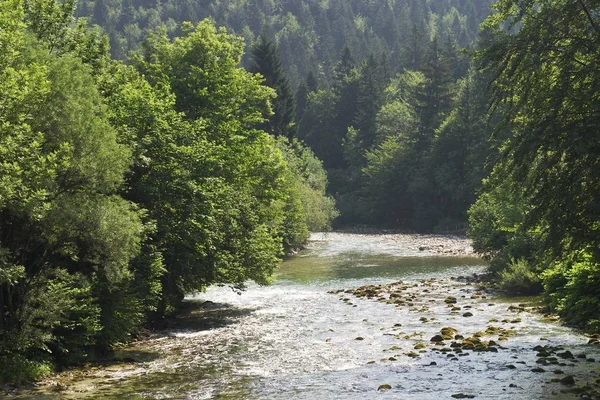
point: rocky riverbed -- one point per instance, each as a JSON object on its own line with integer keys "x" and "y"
{"x": 460, "y": 321}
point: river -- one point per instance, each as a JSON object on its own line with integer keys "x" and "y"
{"x": 305, "y": 337}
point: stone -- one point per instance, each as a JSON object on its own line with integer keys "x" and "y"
{"x": 568, "y": 380}
{"x": 566, "y": 355}
{"x": 437, "y": 339}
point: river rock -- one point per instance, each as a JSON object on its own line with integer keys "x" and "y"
{"x": 566, "y": 355}
{"x": 437, "y": 339}
{"x": 384, "y": 387}
{"x": 568, "y": 380}
{"x": 448, "y": 332}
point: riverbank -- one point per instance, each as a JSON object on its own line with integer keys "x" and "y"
{"x": 410, "y": 243}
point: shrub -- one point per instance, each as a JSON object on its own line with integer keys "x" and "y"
{"x": 573, "y": 290}
{"x": 16, "y": 369}
{"x": 520, "y": 278}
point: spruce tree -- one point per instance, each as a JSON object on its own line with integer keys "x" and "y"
{"x": 435, "y": 95}
{"x": 265, "y": 61}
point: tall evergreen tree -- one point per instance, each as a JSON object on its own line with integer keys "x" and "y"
{"x": 265, "y": 61}
{"x": 371, "y": 87}
{"x": 435, "y": 95}
{"x": 345, "y": 91}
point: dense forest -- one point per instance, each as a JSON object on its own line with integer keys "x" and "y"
{"x": 125, "y": 186}
{"x": 381, "y": 91}
{"x": 310, "y": 34}
{"x": 180, "y": 144}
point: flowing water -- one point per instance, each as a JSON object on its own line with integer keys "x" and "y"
{"x": 303, "y": 338}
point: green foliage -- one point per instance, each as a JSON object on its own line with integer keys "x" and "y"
{"x": 62, "y": 224}
{"x": 59, "y": 315}
{"x": 17, "y": 369}
{"x": 265, "y": 61}
{"x": 553, "y": 148}
{"x": 572, "y": 289}
{"x": 541, "y": 202}
{"x": 310, "y": 181}
{"x": 520, "y": 278}
{"x": 222, "y": 185}
{"x": 310, "y": 35}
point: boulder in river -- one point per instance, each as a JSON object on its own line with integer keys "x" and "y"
{"x": 568, "y": 380}
{"x": 437, "y": 339}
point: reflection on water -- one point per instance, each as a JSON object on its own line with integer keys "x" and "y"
{"x": 294, "y": 340}
{"x": 356, "y": 266}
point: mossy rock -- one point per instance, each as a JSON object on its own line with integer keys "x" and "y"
{"x": 448, "y": 332}
{"x": 384, "y": 387}
{"x": 493, "y": 330}
{"x": 450, "y": 300}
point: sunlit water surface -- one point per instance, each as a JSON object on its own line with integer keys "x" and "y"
{"x": 294, "y": 340}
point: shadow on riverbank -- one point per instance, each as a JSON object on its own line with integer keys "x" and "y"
{"x": 199, "y": 315}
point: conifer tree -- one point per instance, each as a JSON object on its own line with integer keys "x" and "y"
{"x": 265, "y": 59}
{"x": 371, "y": 85}
{"x": 435, "y": 96}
